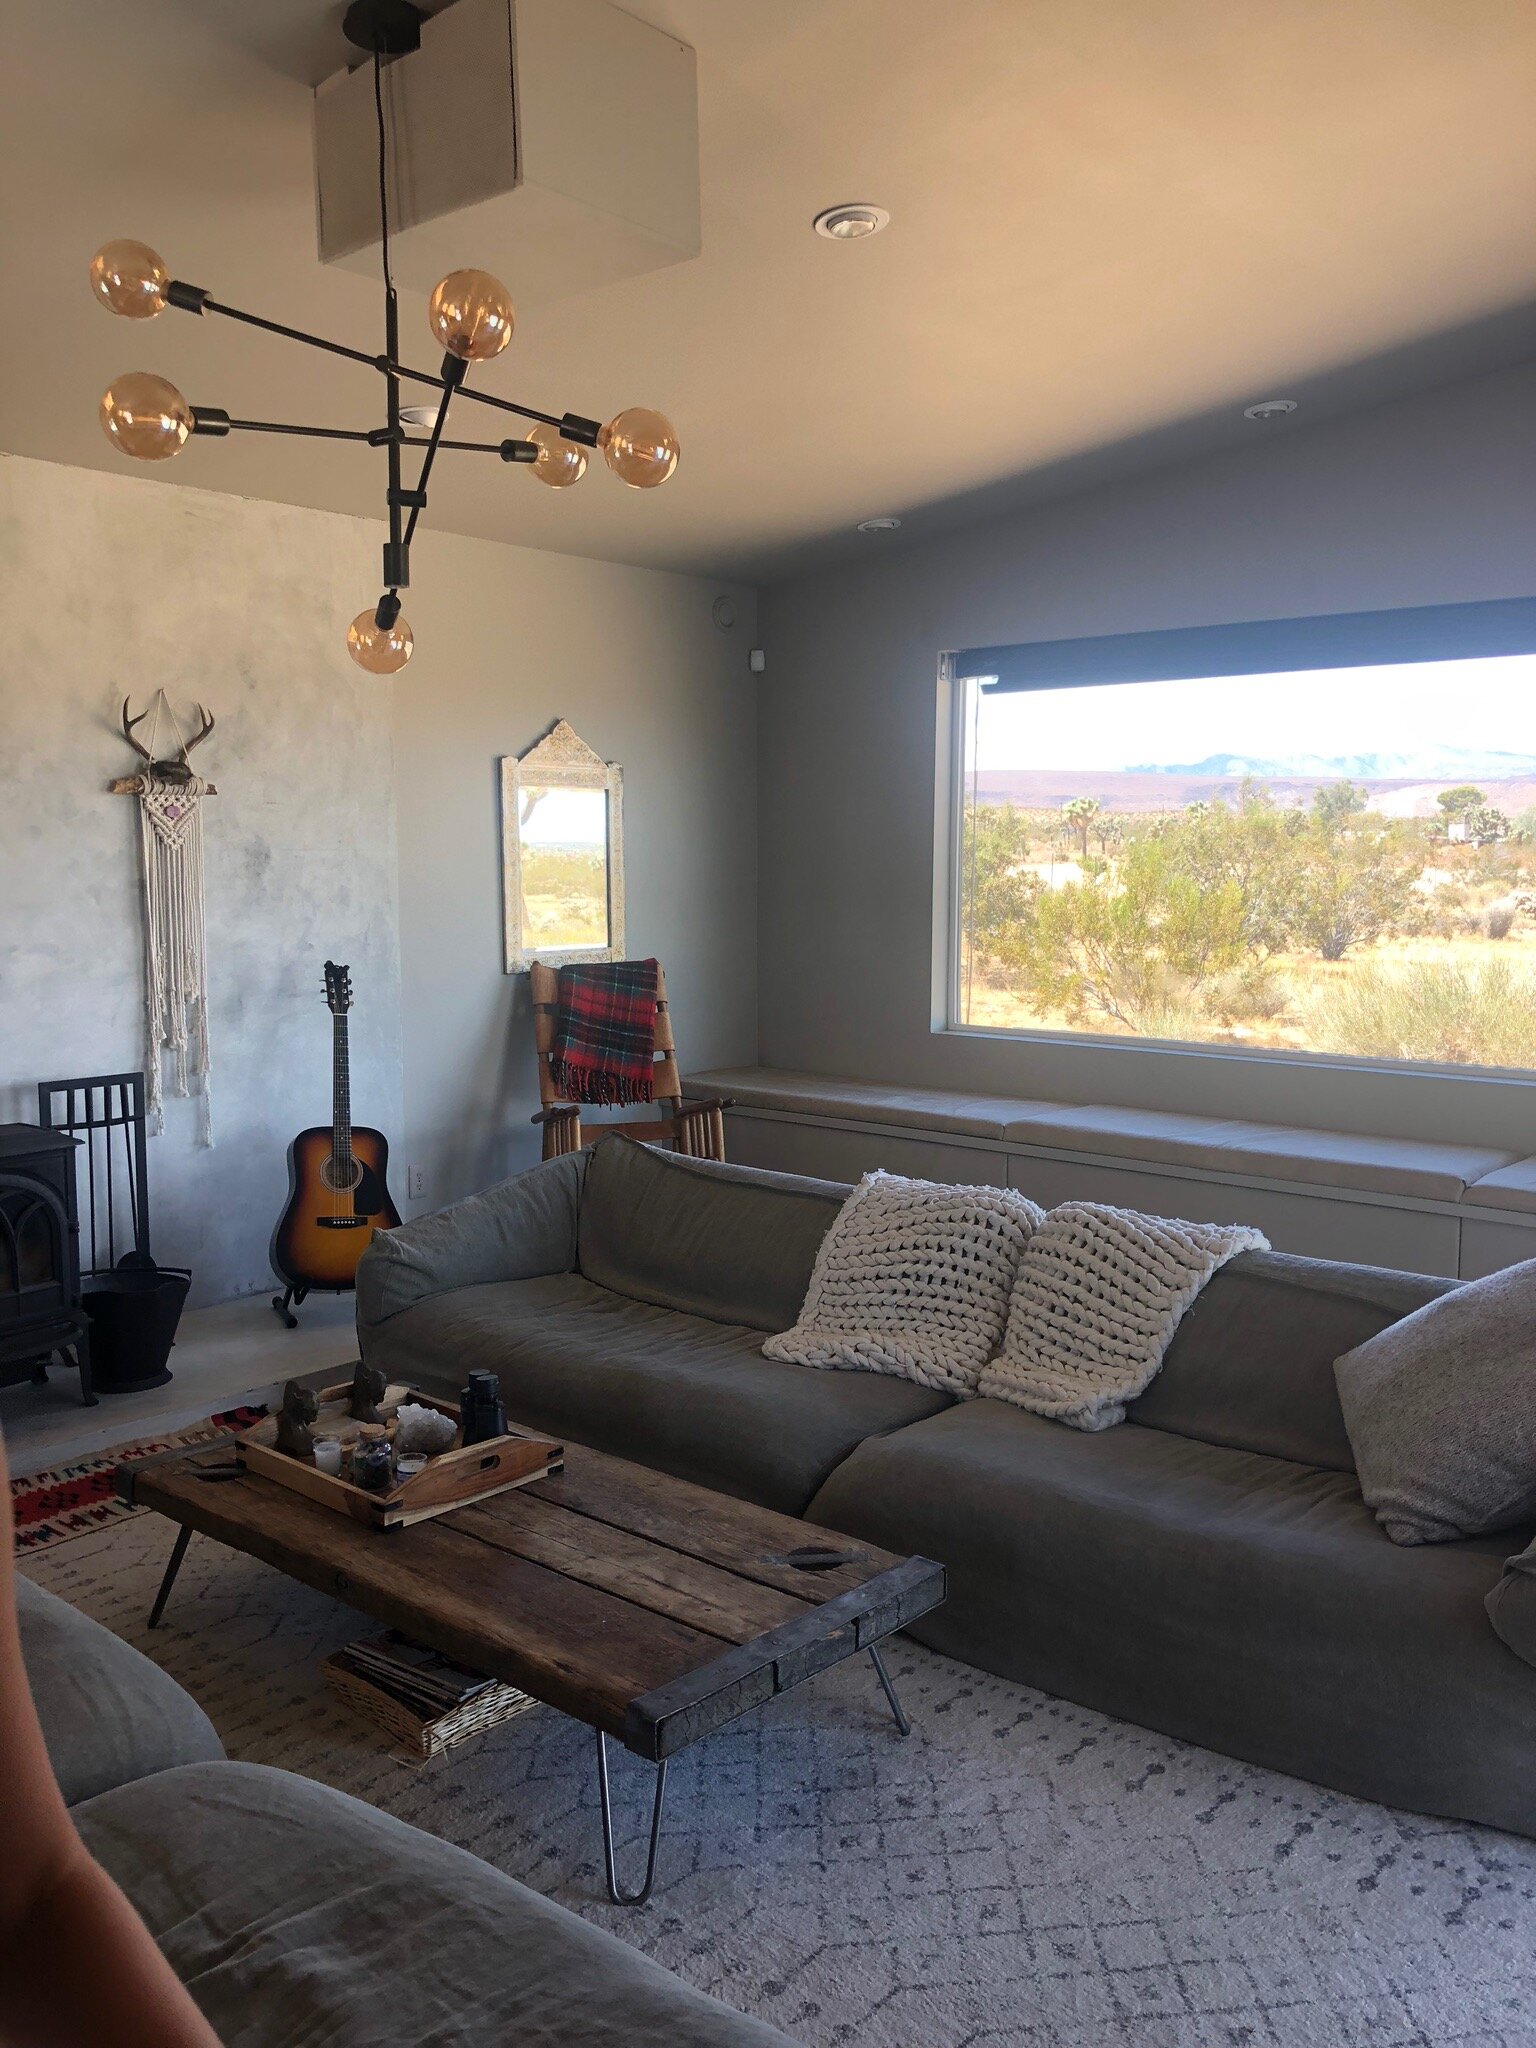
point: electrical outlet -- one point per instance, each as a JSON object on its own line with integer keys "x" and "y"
{"x": 416, "y": 1183}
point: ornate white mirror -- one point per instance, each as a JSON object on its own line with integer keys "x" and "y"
{"x": 562, "y": 853}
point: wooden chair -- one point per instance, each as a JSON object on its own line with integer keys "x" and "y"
{"x": 694, "y": 1128}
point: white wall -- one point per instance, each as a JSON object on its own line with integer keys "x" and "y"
{"x": 110, "y": 586}
{"x": 1432, "y": 500}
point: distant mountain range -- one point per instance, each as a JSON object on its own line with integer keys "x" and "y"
{"x": 1421, "y": 764}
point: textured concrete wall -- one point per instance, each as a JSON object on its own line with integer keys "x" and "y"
{"x": 109, "y": 587}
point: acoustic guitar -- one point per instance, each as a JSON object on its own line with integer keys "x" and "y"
{"x": 338, "y": 1193}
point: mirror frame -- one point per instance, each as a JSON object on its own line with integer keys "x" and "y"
{"x": 560, "y": 760}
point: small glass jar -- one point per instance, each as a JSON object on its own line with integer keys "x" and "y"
{"x": 373, "y": 1459}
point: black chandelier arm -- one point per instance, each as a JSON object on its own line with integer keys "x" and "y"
{"x": 211, "y": 420}
{"x": 574, "y": 426}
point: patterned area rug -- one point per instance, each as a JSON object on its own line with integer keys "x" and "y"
{"x": 72, "y": 1500}
{"x": 1021, "y": 1872}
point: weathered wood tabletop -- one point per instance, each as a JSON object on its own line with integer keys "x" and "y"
{"x": 651, "y": 1609}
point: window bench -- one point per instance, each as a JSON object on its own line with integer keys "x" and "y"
{"x": 1460, "y": 1210}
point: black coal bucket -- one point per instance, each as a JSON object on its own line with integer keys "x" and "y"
{"x": 134, "y": 1311}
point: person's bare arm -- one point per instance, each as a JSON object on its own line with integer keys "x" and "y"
{"x": 77, "y": 1965}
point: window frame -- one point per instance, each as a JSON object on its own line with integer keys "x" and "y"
{"x": 1418, "y": 633}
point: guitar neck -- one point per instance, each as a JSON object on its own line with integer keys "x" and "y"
{"x": 341, "y": 1092}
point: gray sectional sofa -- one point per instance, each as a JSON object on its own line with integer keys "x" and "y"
{"x": 1207, "y": 1568}
{"x": 295, "y": 1914}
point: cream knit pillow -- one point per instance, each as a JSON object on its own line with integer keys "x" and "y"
{"x": 1099, "y": 1294}
{"x": 913, "y": 1278}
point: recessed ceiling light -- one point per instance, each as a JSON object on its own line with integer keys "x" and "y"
{"x": 884, "y": 524}
{"x": 1269, "y": 409}
{"x": 850, "y": 223}
{"x": 418, "y": 415}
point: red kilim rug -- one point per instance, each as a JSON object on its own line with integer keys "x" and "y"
{"x": 72, "y": 1500}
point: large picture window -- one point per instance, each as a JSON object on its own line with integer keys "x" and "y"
{"x": 1323, "y": 861}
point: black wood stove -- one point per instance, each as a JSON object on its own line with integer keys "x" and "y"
{"x": 40, "y": 1311}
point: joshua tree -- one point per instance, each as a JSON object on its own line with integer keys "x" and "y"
{"x": 1079, "y": 815}
{"x": 1485, "y": 824}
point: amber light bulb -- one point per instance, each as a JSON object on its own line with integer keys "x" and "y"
{"x": 382, "y": 650}
{"x": 559, "y": 462}
{"x": 471, "y": 314}
{"x": 129, "y": 278}
{"x": 145, "y": 416}
{"x": 640, "y": 446}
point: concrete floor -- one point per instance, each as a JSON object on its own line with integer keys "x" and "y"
{"x": 238, "y": 1352}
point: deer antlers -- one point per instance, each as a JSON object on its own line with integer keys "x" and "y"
{"x": 128, "y": 725}
{"x": 177, "y": 770}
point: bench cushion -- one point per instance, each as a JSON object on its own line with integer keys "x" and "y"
{"x": 1281, "y": 1152}
{"x": 294, "y": 1914}
{"x": 1395, "y": 1166}
{"x": 687, "y": 1395}
{"x": 108, "y": 1714}
{"x": 921, "y": 1109}
{"x": 1511, "y": 1187}
{"x": 1244, "y": 1602}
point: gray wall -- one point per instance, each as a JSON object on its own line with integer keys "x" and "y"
{"x": 1427, "y": 501}
{"x": 111, "y": 586}
{"x": 634, "y": 660}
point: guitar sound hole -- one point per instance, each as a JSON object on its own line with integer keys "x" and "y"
{"x": 339, "y": 1182}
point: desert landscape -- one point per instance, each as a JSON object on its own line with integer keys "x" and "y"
{"x": 1377, "y": 906}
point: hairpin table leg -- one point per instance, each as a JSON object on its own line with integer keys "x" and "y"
{"x": 619, "y": 1896}
{"x": 183, "y": 1538}
{"x": 903, "y": 1725}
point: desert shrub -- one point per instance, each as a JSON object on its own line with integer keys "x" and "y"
{"x": 1501, "y": 920}
{"x": 1250, "y": 994}
{"x": 1429, "y": 1010}
{"x": 1134, "y": 952}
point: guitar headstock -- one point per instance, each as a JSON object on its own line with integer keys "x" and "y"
{"x": 338, "y": 989}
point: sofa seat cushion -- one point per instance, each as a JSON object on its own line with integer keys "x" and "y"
{"x": 690, "y": 1396}
{"x": 108, "y": 1714}
{"x": 1240, "y": 1601}
{"x": 294, "y": 1914}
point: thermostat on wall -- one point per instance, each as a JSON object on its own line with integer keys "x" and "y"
{"x": 757, "y": 661}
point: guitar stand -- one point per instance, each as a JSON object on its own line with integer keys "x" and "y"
{"x": 284, "y": 1304}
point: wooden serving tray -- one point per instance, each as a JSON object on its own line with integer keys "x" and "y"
{"x": 468, "y": 1472}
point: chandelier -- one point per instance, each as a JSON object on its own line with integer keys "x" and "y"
{"x": 470, "y": 314}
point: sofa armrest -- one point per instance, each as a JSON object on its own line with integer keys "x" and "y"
{"x": 1512, "y": 1604}
{"x": 515, "y": 1231}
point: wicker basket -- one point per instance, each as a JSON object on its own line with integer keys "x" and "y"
{"x": 421, "y": 1738}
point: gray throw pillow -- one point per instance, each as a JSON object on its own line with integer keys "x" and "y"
{"x": 1512, "y": 1605}
{"x": 1441, "y": 1412}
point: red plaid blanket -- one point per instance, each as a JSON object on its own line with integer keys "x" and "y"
{"x": 604, "y": 1046}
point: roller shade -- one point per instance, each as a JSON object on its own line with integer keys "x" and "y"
{"x": 1432, "y": 632}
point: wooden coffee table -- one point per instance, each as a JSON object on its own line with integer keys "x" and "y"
{"x": 653, "y": 1610}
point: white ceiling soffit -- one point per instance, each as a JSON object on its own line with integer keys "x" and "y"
{"x": 1112, "y": 226}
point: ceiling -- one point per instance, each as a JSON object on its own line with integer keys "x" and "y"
{"x": 1112, "y": 226}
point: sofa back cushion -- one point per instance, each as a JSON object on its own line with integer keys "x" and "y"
{"x": 1251, "y": 1364}
{"x": 729, "y": 1242}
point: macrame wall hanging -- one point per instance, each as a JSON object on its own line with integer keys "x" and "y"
{"x": 175, "y": 948}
